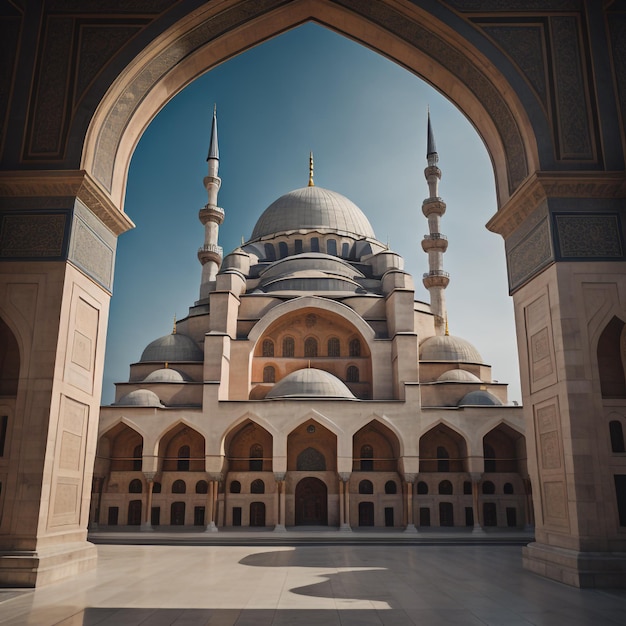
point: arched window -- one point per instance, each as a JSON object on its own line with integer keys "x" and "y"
{"x": 367, "y": 458}
{"x": 443, "y": 459}
{"x": 257, "y": 486}
{"x": 256, "y": 458}
{"x": 333, "y": 347}
{"x": 508, "y": 489}
{"x": 269, "y": 374}
{"x": 315, "y": 244}
{"x": 135, "y": 486}
{"x": 391, "y": 487}
{"x": 490, "y": 458}
{"x": 268, "y": 347}
{"x": 610, "y": 365}
{"x": 289, "y": 347}
{"x": 270, "y": 253}
{"x": 297, "y": 247}
{"x": 422, "y": 488}
{"x": 617, "y": 436}
{"x": 183, "y": 459}
{"x": 156, "y": 487}
{"x": 352, "y": 374}
{"x": 137, "y": 453}
{"x": 355, "y": 347}
{"x": 331, "y": 247}
{"x": 179, "y": 486}
{"x": 235, "y": 487}
{"x": 366, "y": 486}
{"x": 445, "y": 488}
{"x": 489, "y": 488}
{"x": 202, "y": 486}
{"x": 467, "y": 488}
{"x": 310, "y": 347}
{"x": 283, "y": 250}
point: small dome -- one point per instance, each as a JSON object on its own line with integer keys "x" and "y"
{"x": 172, "y": 348}
{"x": 448, "y": 348}
{"x": 479, "y": 398}
{"x": 458, "y": 376}
{"x": 313, "y": 208}
{"x": 140, "y": 397}
{"x": 165, "y": 375}
{"x": 310, "y": 383}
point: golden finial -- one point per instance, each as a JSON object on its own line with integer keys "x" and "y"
{"x": 174, "y": 328}
{"x": 309, "y": 363}
{"x": 311, "y": 183}
{"x": 167, "y": 364}
{"x": 447, "y": 329}
{"x": 242, "y": 240}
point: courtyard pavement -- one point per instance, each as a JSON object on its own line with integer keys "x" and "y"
{"x": 331, "y": 581}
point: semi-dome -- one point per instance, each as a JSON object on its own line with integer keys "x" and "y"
{"x": 172, "y": 348}
{"x": 310, "y": 383}
{"x": 165, "y": 375}
{"x": 479, "y": 398}
{"x": 140, "y": 397}
{"x": 448, "y": 348}
{"x": 313, "y": 208}
{"x": 458, "y": 376}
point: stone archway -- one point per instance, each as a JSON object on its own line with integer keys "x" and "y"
{"x": 554, "y": 136}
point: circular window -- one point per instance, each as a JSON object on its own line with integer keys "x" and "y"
{"x": 310, "y": 428}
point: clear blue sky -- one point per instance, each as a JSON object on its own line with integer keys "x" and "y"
{"x": 364, "y": 118}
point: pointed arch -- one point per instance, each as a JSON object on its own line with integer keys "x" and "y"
{"x": 443, "y": 50}
{"x": 432, "y": 444}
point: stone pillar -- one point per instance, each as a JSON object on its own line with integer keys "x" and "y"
{"x": 567, "y": 273}
{"x": 344, "y": 480}
{"x": 476, "y": 478}
{"x": 210, "y": 505}
{"x": 280, "y": 502}
{"x": 341, "y": 504}
{"x": 146, "y": 525}
{"x": 59, "y": 234}
{"x": 410, "y": 524}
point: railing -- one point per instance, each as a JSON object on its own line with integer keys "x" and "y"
{"x": 436, "y": 273}
{"x": 435, "y": 236}
{"x": 211, "y": 247}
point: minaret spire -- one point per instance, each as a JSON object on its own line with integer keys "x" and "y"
{"x": 311, "y": 183}
{"x": 435, "y": 244}
{"x": 211, "y": 216}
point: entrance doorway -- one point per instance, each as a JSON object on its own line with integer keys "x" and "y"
{"x": 366, "y": 513}
{"x": 311, "y": 503}
{"x": 257, "y": 514}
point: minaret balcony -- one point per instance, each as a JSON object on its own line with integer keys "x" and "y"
{"x": 435, "y": 241}
{"x": 436, "y": 278}
{"x": 210, "y": 252}
{"x": 211, "y": 213}
{"x": 433, "y": 205}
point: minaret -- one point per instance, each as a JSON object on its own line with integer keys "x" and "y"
{"x": 435, "y": 244}
{"x": 210, "y": 254}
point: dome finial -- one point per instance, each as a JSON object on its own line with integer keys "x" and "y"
{"x": 447, "y": 327}
{"x": 174, "y": 327}
{"x": 311, "y": 183}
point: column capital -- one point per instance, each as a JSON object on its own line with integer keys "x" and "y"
{"x": 279, "y": 476}
{"x": 344, "y": 476}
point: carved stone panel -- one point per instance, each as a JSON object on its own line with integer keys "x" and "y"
{"x": 541, "y": 356}
{"x": 588, "y": 236}
{"x": 529, "y": 255}
{"x": 31, "y": 236}
{"x": 69, "y": 462}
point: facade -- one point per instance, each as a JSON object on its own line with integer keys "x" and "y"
{"x": 306, "y": 386}
{"x": 544, "y": 88}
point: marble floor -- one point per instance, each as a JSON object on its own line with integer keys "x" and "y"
{"x": 155, "y": 585}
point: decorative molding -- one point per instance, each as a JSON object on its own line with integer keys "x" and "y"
{"x": 516, "y": 5}
{"x": 33, "y": 235}
{"x": 585, "y": 236}
{"x": 91, "y": 254}
{"x": 71, "y": 183}
{"x": 541, "y": 186}
{"x": 530, "y": 255}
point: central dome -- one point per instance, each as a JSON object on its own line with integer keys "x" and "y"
{"x": 313, "y": 208}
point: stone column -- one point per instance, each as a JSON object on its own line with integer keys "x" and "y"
{"x": 344, "y": 478}
{"x": 210, "y": 504}
{"x": 476, "y": 478}
{"x": 410, "y": 524}
{"x": 146, "y": 525}
{"x": 59, "y": 237}
{"x": 280, "y": 502}
{"x": 567, "y": 274}
{"x": 341, "y": 504}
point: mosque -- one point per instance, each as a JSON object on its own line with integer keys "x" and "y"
{"x": 308, "y": 387}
